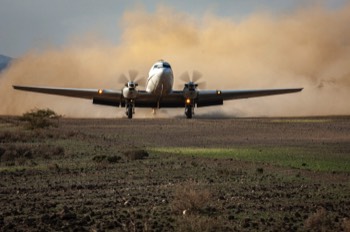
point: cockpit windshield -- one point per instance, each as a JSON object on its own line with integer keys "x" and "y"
{"x": 166, "y": 65}
{"x": 162, "y": 65}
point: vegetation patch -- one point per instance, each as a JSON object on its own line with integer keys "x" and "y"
{"x": 109, "y": 159}
{"x": 40, "y": 118}
{"x": 318, "y": 221}
{"x": 190, "y": 198}
{"x": 11, "y": 154}
{"x": 294, "y": 157}
{"x": 135, "y": 154}
{"x": 301, "y": 120}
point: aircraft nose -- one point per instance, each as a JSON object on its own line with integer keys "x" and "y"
{"x": 166, "y": 71}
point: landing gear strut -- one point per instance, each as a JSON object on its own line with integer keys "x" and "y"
{"x": 129, "y": 109}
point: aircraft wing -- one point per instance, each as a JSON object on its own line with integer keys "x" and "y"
{"x": 173, "y": 100}
{"x": 216, "y": 97}
{"x": 239, "y": 94}
{"x": 204, "y": 97}
{"x": 98, "y": 95}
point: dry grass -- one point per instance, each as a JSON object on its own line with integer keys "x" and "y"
{"x": 318, "y": 221}
{"x": 346, "y": 225}
{"x": 189, "y": 198}
{"x": 11, "y": 154}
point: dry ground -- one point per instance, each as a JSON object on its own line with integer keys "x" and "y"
{"x": 87, "y": 175}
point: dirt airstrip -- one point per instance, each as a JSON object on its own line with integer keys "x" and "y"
{"x": 133, "y": 175}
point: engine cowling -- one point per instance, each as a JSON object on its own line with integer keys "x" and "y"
{"x": 190, "y": 91}
{"x": 129, "y": 91}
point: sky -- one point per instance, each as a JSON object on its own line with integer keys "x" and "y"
{"x": 36, "y": 24}
{"x": 235, "y": 45}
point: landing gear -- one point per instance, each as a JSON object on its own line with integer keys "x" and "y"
{"x": 189, "y": 111}
{"x": 129, "y": 109}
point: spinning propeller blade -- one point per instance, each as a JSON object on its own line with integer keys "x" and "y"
{"x": 194, "y": 78}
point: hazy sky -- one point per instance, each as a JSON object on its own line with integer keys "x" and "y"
{"x": 33, "y": 24}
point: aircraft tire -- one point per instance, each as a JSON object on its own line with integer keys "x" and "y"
{"x": 130, "y": 112}
{"x": 188, "y": 111}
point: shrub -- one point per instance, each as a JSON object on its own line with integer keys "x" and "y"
{"x": 20, "y": 153}
{"x": 15, "y": 155}
{"x": 47, "y": 151}
{"x": 346, "y": 225}
{"x": 40, "y": 118}
{"x": 318, "y": 221}
{"x": 189, "y": 200}
{"x": 113, "y": 159}
{"x": 109, "y": 159}
{"x": 99, "y": 158}
{"x": 136, "y": 154}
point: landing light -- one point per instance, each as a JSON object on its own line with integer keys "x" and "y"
{"x": 100, "y": 91}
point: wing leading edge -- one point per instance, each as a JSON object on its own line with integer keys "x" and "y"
{"x": 240, "y": 94}
{"x": 99, "y": 96}
{"x": 71, "y": 92}
{"x": 144, "y": 99}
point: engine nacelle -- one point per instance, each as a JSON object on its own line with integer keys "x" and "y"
{"x": 129, "y": 93}
{"x": 190, "y": 90}
{"x": 190, "y": 94}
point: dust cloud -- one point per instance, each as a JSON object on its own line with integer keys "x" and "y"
{"x": 308, "y": 48}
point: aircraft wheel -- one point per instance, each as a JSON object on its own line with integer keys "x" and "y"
{"x": 129, "y": 112}
{"x": 188, "y": 111}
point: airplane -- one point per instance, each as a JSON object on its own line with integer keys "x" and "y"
{"x": 159, "y": 92}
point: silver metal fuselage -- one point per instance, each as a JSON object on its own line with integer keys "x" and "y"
{"x": 160, "y": 79}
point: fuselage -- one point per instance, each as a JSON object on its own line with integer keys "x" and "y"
{"x": 160, "y": 79}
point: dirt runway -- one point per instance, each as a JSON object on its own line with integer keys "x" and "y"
{"x": 84, "y": 176}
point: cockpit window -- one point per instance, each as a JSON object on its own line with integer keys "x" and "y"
{"x": 162, "y": 65}
{"x": 166, "y": 65}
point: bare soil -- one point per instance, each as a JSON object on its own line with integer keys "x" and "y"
{"x": 101, "y": 175}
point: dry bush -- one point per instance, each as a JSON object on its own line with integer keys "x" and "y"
{"x": 10, "y": 153}
{"x": 47, "y": 151}
{"x": 318, "y": 221}
{"x": 346, "y": 225}
{"x": 189, "y": 198}
{"x": 19, "y": 154}
{"x": 18, "y": 136}
{"x": 104, "y": 158}
{"x": 40, "y": 118}
{"x": 14, "y": 136}
{"x": 135, "y": 154}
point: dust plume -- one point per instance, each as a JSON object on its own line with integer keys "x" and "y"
{"x": 307, "y": 48}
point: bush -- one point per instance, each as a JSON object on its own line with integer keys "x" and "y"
{"x": 109, "y": 159}
{"x": 20, "y": 153}
{"x": 41, "y": 118}
{"x": 99, "y": 158}
{"x": 346, "y": 225}
{"x": 189, "y": 200}
{"x": 113, "y": 159}
{"x": 318, "y": 221}
{"x": 136, "y": 154}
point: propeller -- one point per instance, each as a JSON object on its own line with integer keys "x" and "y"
{"x": 123, "y": 79}
{"x": 193, "y": 79}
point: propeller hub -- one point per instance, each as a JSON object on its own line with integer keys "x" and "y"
{"x": 131, "y": 85}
